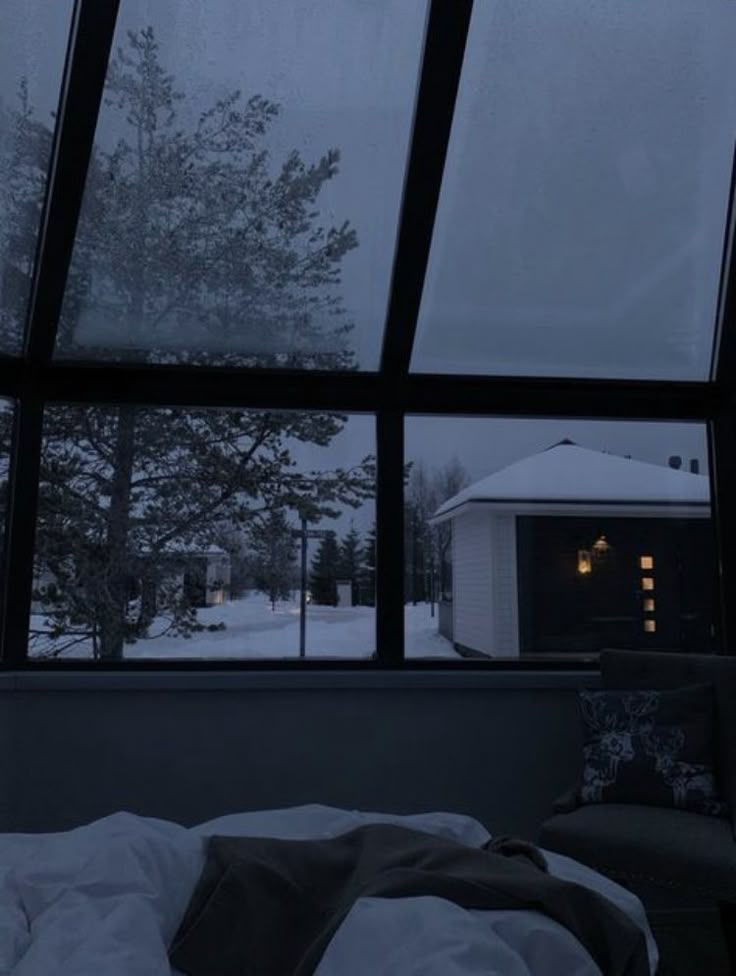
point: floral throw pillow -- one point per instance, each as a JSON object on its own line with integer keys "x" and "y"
{"x": 650, "y": 747}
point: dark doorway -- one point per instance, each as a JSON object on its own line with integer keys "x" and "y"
{"x": 589, "y": 583}
{"x": 195, "y": 583}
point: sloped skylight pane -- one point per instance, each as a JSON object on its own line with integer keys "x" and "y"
{"x": 581, "y": 221}
{"x": 243, "y": 199}
{"x": 33, "y": 38}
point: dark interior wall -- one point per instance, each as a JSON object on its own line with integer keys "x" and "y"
{"x": 501, "y": 754}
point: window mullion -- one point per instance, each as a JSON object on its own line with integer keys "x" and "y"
{"x": 389, "y": 572}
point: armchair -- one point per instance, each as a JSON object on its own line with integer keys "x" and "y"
{"x": 673, "y": 848}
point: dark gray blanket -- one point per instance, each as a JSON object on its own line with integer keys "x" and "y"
{"x": 267, "y": 907}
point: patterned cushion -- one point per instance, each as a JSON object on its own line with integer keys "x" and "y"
{"x": 650, "y": 747}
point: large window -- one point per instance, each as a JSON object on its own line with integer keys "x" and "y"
{"x": 338, "y": 333}
{"x": 180, "y": 533}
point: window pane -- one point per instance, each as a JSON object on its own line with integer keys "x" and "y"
{"x": 581, "y": 221}
{"x": 243, "y": 199}
{"x": 173, "y": 533}
{"x": 33, "y": 37}
{"x": 529, "y": 538}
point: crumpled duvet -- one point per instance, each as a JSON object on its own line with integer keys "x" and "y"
{"x": 107, "y": 898}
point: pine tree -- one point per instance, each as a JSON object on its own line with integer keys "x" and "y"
{"x": 351, "y": 561}
{"x": 324, "y": 571}
{"x": 194, "y": 245}
{"x": 274, "y": 556}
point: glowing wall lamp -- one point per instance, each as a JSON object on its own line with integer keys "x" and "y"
{"x": 601, "y": 546}
{"x": 585, "y": 562}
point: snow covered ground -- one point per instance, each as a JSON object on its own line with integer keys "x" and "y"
{"x": 253, "y": 630}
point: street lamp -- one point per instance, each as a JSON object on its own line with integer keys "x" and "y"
{"x": 303, "y": 534}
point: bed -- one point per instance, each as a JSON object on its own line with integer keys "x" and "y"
{"x": 109, "y": 897}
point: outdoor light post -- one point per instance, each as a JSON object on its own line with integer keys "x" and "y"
{"x": 303, "y": 534}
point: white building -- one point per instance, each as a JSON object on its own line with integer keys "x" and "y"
{"x": 203, "y": 573}
{"x": 572, "y": 549}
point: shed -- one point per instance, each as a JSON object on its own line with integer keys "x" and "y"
{"x": 573, "y": 549}
{"x": 202, "y": 572}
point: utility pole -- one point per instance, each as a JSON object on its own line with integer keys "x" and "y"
{"x": 303, "y": 534}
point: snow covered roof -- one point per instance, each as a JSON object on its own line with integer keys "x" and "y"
{"x": 568, "y": 474}
{"x": 179, "y": 547}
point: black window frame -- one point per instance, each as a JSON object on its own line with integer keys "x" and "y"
{"x": 391, "y": 393}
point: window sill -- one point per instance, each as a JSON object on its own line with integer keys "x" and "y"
{"x": 221, "y": 680}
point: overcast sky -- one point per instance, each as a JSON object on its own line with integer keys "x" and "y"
{"x": 486, "y": 444}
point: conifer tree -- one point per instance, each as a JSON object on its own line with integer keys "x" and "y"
{"x": 351, "y": 561}
{"x": 274, "y": 556}
{"x": 324, "y": 571}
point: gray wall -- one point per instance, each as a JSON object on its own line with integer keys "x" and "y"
{"x": 190, "y": 747}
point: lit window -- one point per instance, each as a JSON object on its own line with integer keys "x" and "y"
{"x": 647, "y": 582}
{"x": 646, "y": 562}
{"x": 585, "y": 564}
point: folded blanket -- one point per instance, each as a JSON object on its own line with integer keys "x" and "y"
{"x": 268, "y": 907}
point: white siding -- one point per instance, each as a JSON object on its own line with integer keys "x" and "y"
{"x": 472, "y": 583}
{"x": 505, "y": 588}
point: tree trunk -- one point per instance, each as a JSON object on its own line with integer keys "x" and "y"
{"x": 113, "y": 611}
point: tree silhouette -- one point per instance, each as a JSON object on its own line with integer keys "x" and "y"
{"x": 274, "y": 556}
{"x": 325, "y": 570}
{"x": 350, "y": 563}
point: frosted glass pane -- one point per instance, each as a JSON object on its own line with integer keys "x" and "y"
{"x": 243, "y": 200}
{"x": 33, "y": 38}
{"x": 581, "y": 221}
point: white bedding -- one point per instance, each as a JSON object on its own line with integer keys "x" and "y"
{"x": 108, "y": 897}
